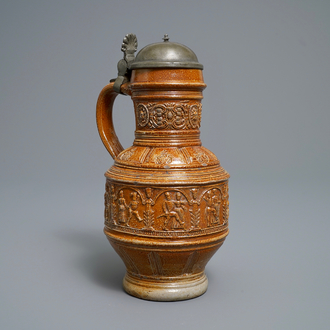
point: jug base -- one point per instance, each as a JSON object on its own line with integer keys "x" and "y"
{"x": 166, "y": 289}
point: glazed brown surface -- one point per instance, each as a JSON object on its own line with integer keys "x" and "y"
{"x": 166, "y": 199}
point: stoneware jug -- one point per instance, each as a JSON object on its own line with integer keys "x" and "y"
{"x": 166, "y": 197}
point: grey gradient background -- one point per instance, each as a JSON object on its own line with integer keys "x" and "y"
{"x": 265, "y": 115}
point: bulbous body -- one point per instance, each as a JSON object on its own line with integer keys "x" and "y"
{"x": 166, "y": 199}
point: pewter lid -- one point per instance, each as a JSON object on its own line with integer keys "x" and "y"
{"x": 165, "y": 55}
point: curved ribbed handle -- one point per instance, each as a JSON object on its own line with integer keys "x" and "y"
{"x": 104, "y": 120}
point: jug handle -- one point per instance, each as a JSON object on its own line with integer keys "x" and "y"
{"x": 104, "y": 120}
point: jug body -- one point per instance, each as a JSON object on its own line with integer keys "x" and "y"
{"x": 166, "y": 199}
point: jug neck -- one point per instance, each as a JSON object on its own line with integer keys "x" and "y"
{"x": 167, "y": 106}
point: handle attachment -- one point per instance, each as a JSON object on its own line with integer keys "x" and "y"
{"x": 128, "y": 47}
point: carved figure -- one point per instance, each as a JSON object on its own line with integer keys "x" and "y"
{"x": 210, "y": 211}
{"x": 179, "y": 208}
{"x": 173, "y": 212}
{"x": 132, "y": 208}
{"x": 167, "y": 208}
{"x": 122, "y": 218}
{"x": 113, "y": 209}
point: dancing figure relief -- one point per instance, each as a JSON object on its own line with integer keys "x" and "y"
{"x": 132, "y": 208}
{"x": 127, "y": 212}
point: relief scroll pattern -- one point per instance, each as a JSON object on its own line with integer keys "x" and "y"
{"x": 183, "y": 115}
{"x": 166, "y": 211}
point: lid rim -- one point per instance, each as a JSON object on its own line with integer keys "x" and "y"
{"x": 155, "y": 64}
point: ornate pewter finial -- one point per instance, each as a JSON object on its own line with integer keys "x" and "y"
{"x": 129, "y": 47}
{"x": 166, "y": 37}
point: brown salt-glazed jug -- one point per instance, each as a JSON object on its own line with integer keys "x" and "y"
{"x": 166, "y": 197}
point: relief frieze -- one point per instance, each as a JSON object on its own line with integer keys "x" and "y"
{"x": 171, "y": 115}
{"x": 166, "y": 211}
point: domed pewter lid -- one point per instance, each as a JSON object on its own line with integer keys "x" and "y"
{"x": 159, "y": 55}
{"x": 165, "y": 55}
